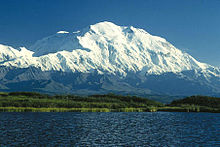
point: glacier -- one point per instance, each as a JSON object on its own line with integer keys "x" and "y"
{"x": 105, "y": 47}
{"x": 108, "y": 49}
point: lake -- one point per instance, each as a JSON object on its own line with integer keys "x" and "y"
{"x": 110, "y": 129}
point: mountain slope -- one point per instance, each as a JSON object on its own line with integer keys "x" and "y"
{"x": 117, "y": 55}
{"x": 109, "y": 48}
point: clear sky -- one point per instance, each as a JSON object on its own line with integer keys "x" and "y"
{"x": 190, "y": 25}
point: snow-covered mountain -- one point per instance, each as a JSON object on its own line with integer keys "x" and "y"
{"x": 108, "y": 49}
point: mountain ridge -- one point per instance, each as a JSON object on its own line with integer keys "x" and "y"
{"x": 113, "y": 55}
{"x": 116, "y": 47}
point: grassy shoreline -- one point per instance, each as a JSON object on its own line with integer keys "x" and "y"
{"x": 35, "y": 102}
{"x": 155, "y": 109}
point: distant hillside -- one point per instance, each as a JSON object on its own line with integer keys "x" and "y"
{"x": 29, "y": 101}
{"x": 36, "y": 102}
{"x": 212, "y": 102}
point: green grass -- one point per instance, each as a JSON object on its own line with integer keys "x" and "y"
{"x": 27, "y": 101}
{"x": 35, "y": 102}
{"x": 31, "y": 109}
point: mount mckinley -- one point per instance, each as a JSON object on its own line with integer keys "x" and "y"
{"x": 105, "y": 58}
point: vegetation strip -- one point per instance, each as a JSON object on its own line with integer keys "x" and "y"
{"x": 35, "y": 102}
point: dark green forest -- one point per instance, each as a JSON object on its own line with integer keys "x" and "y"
{"x": 198, "y": 100}
{"x": 36, "y": 102}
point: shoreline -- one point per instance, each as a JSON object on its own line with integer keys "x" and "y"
{"x": 36, "y": 102}
{"x": 150, "y": 109}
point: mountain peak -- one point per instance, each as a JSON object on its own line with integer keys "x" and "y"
{"x": 104, "y": 27}
{"x": 104, "y": 23}
{"x": 107, "y": 57}
{"x": 62, "y": 32}
{"x": 108, "y": 48}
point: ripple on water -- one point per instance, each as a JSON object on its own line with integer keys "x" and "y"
{"x": 110, "y": 129}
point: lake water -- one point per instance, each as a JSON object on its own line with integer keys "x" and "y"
{"x": 110, "y": 129}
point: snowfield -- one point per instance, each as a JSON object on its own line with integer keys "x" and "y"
{"x": 103, "y": 58}
{"x": 106, "y": 48}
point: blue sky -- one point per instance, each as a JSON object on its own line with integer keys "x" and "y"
{"x": 190, "y": 25}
